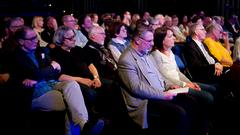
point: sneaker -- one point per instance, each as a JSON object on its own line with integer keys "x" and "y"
{"x": 94, "y": 127}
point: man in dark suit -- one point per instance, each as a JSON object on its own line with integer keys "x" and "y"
{"x": 203, "y": 67}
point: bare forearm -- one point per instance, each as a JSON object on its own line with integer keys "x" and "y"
{"x": 93, "y": 70}
{"x": 65, "y": 77}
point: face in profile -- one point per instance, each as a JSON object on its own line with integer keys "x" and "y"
{"x": 146, "y": 43}
{"x": 169, "y": 39}
{"x": 30, "y": 42}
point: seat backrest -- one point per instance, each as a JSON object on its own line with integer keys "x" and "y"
{"x": 181, "y": 61}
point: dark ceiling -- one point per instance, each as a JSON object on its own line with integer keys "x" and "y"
{"x": 79, "y": 7}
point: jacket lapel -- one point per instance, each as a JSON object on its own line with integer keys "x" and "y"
{"x": 141, "y": 65}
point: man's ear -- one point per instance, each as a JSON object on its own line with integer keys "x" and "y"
{"x": 137, "y": 40}
{"x": 20, "y": 41}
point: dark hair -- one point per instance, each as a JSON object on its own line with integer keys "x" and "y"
{"x": 21, "y": 32}
{"x": 140, "y": 31}
{"x": 195, "y": 19}
{"x": 159, "y": 35}
{"x": 115, "y": 28}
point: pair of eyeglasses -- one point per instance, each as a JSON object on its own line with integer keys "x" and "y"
{"x": 71, "y": 21}
{"x": 101, "y": 33}
{"x": 70, "y": 38}
{"x": 31, "y": 39}
{"x": 148, "y": 41}
{"x": 202, "y": 29}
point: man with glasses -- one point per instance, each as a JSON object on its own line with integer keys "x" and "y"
{"x": 202, "y": 65}
{"x": 100, "y": 56}
{"x": 37, "y": 71}
{"x": 8, "y": 45}
{"x": 149, "y": 101}
{"x": 71, "y": 22}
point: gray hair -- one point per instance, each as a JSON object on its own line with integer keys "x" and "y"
{"x": 94, "y": 30}
{"x": 58, "y": 37}
{"x": 192, "y": 29}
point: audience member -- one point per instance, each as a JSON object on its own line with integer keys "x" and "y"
{"x": 221, "y": 52}
{"x": 202, "y": 65}
{"x": 74, "y": 66}
{"x": 98, "y": 55}
{"x": 146, "y": 92}
{"x": 38, "y": 26}
{"x": 70, "y": 21}
{"x": 37, "y": 71}
{"x": 165, "y": 59}
{"x": 119, "y": 41}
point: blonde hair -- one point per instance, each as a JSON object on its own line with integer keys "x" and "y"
{"x": 236, "y": 50}
{"x": 36, "y": 20}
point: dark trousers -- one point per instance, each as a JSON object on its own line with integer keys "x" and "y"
{"x": 98, "y": 100}
{"x": 181, "y": 116}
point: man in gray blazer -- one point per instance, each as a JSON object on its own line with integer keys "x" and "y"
{"x": 146, "y": 93}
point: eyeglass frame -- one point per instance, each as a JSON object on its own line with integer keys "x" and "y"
{"x": 148, "y": 41}
{"x": 31, "y": 39}
{"x": 70, "y": 38}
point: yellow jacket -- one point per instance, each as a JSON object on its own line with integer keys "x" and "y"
{"x": 219, "y": 52}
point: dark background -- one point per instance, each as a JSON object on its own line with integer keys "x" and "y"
{"x": 81, "y": 7}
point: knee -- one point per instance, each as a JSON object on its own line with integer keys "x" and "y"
{"x": 210, "y": 99}
{"x": 180, "y": 113}
{"x": 51, "y": 101}
{"x": 71, "y": 85}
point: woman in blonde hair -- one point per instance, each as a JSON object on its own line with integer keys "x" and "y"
{"x": 37, "y": 24}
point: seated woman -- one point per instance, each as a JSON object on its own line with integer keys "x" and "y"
{"x": 162, "y": 53}
{"x": 76, "y": 67}
{"x": 37, "y": 71}
{"x": 118, "y": 42}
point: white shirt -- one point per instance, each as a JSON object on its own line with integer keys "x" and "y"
{"x": 205, "y": 53}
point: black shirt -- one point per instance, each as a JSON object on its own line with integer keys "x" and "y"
{"x": 72, "y": 63}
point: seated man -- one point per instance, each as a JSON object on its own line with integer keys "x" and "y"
{"x": 221, "y": 52}
{"x": 37, "y": 71}
{"x": 147, "y": 96}
{"x": 202, "y": 65}
{"x": 98, "y": 55}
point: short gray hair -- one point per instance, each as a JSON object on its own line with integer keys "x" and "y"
{"x": 58, "y": 37}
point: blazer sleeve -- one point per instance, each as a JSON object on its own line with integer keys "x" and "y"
{"x": 133, "y": 80}
{"x": 196, "y": 61}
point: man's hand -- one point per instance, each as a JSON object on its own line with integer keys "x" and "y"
{"x": 29, "y": 82}
{"x": 218, "y": 69}
{"x": 55, "y": 65}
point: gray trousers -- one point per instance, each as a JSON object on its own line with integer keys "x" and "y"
{"x": 66, "y": 92}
